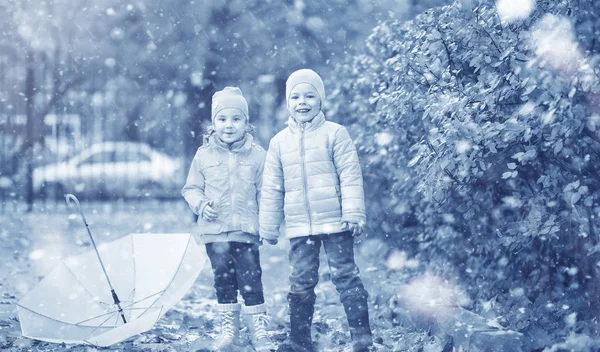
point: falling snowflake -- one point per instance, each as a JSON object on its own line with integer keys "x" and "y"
{"x": 512, "y": 10}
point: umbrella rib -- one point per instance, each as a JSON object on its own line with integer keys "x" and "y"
{"x": 53, "y": 319}
{"x": 82, "y": 285}
{"x": 100, "y": 326}
{"x": 109, "y": 313}
{"x": 125, "y": 307}
{"x": 98, "y": 316}
{"x": 131, "y": 296}
{"x": 147, "y": 297}
{"x": 178, "y": 266}
{"x": 117, "y": 319}
{"x": 134, "y": 261}
{"x": 180, "y": 262}
{"x": 158, "y": 315}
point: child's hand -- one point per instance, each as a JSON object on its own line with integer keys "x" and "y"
{"x": 355, "y": 227}
{"x": 272, "y": 242}
{"x": 209, "y": 214}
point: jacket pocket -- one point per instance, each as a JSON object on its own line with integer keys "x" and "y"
{"x": 214, "y": 170}
{"x": 247, "y": 171}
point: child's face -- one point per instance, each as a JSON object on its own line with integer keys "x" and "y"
{"x": 230, "y": 125}
{"x": 304, "y": 102}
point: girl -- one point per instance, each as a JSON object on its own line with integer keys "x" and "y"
{"x": 223, "y": 189}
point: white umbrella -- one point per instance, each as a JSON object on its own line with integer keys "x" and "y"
{"x": 116, "y": 291}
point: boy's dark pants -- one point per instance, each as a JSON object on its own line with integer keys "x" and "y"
{"x": 304, "y": 259}
{"x": 236, "y": 266}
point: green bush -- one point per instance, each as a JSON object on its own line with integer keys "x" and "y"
{"x": 481, "y": 155}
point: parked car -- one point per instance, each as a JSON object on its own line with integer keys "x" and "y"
{"x": 112, "y": 169}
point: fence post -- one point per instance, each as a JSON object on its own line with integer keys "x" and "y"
{"x": 30, "y": 137}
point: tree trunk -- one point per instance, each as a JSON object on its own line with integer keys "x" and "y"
{"x": 30, "y": 131}
{"x": 132, "y": 129}
{"x": 201, "y": 97}
{"x": 200, "y": 100}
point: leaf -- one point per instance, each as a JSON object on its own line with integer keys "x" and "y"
{"x": 571, "y": 186}
{"x": 530, "y": 154}
{"x": 558, "y": 147}
{"x": 529, "y": 89}
{"x": 506, "y": 53}
{"x": 575, "y": 198}
{"x": 548, "y": 117}
{"x": 414, "y": 160}
{"x": 506, "y": 175}
{"x": 518, "y": 156}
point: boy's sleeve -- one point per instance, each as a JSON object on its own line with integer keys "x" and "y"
{"x": 272, "y": 193}
{"x": 193, "y": 191}
{"x": 347, "y": 166}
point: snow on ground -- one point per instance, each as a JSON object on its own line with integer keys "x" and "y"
{"x": 31, "y": 244}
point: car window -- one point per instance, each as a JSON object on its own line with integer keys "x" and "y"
{"x": 131, "y": 155}
{"x": 98, "y": 158}
{"x": 141, "y": 156}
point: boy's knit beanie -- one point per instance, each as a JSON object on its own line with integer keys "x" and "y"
{"x": 229, "y": 97}
{"x": 305, "y": 76}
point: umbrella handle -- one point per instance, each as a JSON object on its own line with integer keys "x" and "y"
{"x": 71, "y": 198}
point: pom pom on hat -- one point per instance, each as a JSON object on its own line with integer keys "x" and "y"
{"x": 305, "y": 76}
{"x": 229, "y": 97}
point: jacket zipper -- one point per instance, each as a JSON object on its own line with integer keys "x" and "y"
{"x": 232, "y": 174}
{"x": 304, "y": 180}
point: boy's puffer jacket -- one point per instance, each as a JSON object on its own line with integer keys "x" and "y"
{"x": 312, "y": 181}
{"x": 231, "y": 180}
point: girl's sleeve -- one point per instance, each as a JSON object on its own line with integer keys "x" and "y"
{"x": 272, "y": 193}
{"x": 259, "y": 175}
{"x": 193, "y": 191}
{"x": 348, "y": 169}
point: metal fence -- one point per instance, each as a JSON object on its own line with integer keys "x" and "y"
{"x": 64, "y": 162}
{"x": 54, "y": 142}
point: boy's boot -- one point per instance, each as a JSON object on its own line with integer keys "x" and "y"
{"x": 357, "y": 313}
{"x": 259, "y": 321}
{"x": 230, "y": 327}
{"x": 302, "y": 307}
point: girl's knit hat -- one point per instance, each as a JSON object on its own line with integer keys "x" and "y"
{"x": 305, "y": 76}
{"x": 229, "y": 97}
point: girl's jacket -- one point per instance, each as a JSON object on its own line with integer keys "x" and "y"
{"x": 229, "y": 178}
{"x": 312, "y": 181}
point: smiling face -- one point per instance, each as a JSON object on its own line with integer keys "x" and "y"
{"x": 230, "y": 125}
{"x": 304, "y": 102}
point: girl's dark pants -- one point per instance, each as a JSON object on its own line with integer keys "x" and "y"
{"x": 236, "y": 267}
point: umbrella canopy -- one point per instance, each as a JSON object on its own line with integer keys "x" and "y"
{"x": 74, "y": 303}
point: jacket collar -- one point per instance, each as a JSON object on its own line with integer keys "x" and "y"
{"x": 242, "y": 145}
{"x": 312, "y": 125}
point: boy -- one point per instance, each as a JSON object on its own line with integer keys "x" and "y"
{"x": 312, "y": 179}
